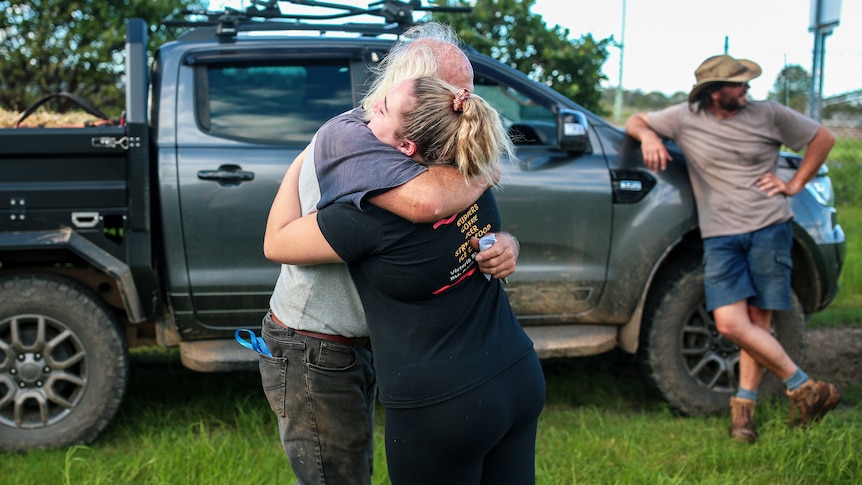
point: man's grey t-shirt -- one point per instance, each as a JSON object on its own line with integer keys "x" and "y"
{"x": 725, "y": 158}
{"x": 345, "y": 162}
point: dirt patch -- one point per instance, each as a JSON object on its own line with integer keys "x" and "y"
{"x": 834, "y": 355}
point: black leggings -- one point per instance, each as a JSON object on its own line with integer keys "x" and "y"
{"x": 484, "y": 436}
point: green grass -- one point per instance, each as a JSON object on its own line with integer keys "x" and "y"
{"x": 846, "y": 309}
{"x": 600, "y": 425}
{"x": 845, "y": 170}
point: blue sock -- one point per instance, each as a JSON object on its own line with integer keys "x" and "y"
{"x": 797, "y": 379}
{"x": 746, "y": 394}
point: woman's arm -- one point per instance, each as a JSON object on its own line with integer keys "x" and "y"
{"x": 301, "y": 243}
{"x": 285, "y": 207}
{"x": 289, "y": 238}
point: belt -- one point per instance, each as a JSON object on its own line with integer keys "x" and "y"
{"x": 321, "y": 336}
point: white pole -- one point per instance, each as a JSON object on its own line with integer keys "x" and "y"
{"x": 618, "y": 96}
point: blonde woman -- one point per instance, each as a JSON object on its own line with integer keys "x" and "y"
{"x": 457, "y": 374}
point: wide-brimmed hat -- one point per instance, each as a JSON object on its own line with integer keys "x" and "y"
{"x": 723, "y": 69}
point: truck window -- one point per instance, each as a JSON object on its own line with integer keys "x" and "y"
{"x": 273, "y": 104}
{"x": 528, "y": 122}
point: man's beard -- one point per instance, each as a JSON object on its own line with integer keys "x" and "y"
{"x": 730, "y": 104}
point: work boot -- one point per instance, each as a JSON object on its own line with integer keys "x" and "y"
{"x": 742, "y": 427}
{"x": 811, "y": 401}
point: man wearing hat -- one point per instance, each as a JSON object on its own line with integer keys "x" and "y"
{"x": 731, "y": 147}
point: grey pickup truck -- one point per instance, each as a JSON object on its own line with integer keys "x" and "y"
{"x": 149, "y": 231}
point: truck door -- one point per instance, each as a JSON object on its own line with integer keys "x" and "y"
{"x": 559, "y": 206}
{"x": 241, "y": 122}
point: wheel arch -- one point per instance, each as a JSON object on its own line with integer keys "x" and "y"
{"x": 689, "y": 245}
{"x": 805, "y": 278}
{"x": 52, "y": 251}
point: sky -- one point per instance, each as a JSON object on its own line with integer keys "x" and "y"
{"x": 665, "y": 40}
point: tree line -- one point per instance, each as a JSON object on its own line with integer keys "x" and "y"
{"x": 51, "y": 46}
{"x": 791, "y": 88}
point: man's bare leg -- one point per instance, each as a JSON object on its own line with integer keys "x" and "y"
{"x": 735, "y": 323}
{"x": 740, "y": 323}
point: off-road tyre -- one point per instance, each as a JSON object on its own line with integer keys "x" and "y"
{"x": 682, "y": 355}
{"x": 63, "y": 363}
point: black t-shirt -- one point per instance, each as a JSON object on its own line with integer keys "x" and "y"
{"x": 438, "y": 326}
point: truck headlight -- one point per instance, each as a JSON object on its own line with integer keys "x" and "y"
{"x": 821, "y": 189}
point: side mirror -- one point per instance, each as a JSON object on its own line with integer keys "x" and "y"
{"x": 572, "y": 127}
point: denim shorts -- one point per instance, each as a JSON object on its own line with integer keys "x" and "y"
{"x": 754, "y": 266}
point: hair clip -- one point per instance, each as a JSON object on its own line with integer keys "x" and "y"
{"x": 460, "y": 98}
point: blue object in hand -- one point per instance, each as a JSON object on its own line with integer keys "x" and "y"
{"x": 486, "y": 242}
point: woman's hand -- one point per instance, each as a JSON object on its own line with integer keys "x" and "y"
{"x": 499, "y": 260}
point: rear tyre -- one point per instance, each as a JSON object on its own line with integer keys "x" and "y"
{"x": 63, "y": 363}
{"x": 684, "y": 357}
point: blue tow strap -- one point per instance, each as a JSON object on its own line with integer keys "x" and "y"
{"x": 253, "y": 343}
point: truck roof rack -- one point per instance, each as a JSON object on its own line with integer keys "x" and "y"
{"x": 266, "y": 15}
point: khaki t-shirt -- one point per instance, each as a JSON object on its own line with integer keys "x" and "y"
{"x": 726, "y": 157}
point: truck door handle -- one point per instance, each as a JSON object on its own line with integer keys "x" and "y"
{"x": 227, "y": 175}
